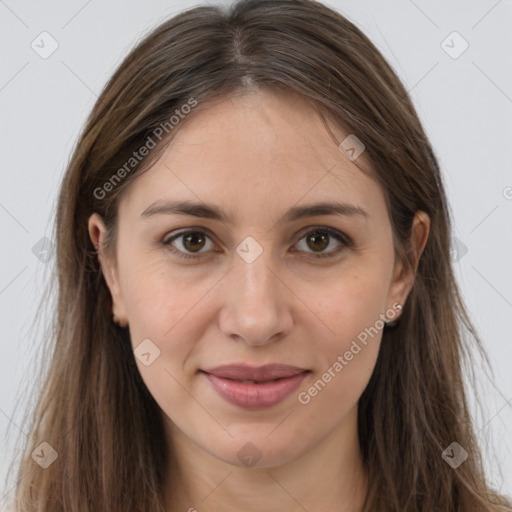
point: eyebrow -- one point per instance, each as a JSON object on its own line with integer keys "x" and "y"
{"x": 211, "y": 211}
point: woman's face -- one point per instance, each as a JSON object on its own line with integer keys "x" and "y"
{"x": 258, "y": 287}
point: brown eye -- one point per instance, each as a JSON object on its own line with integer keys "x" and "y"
{"x": 193, "y": 241}
{"x": 191, "y": 244}
{"x": 319, "y": 239}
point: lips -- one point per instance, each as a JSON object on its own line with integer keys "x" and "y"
{"x": 255, "y": 388}
{"x": 243, "y": 372}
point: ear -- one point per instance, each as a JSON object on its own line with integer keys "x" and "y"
{"x": 405, "y": 271}
{"x": 97, "y": 233}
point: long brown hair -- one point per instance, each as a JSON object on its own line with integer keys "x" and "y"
{"x": 94, "y": 409}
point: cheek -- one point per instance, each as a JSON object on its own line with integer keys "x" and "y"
{"x": 351, "y": 317}
{"x": 172, "y": 308}
{"x": 161, "y": 311}
{"x": 345, "y": 364}
{"x": 158, "y": 297}
{"x": 351, "y": 304}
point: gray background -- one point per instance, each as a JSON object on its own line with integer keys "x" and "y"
{"x": 465, "y": 104}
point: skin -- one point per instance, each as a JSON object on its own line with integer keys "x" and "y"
{"x": 256, "y": 156}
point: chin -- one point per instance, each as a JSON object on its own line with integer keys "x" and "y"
{"x": 255, "y": 448}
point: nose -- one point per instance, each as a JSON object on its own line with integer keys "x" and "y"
{"x": 256, "y": 304}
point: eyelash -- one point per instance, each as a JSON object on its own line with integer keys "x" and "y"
{"x": 340, "y": 237}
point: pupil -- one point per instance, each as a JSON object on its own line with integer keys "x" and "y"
{"x": 322, "y": 236}
{"x": 193, "y": 236}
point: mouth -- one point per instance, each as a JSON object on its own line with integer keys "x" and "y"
{"x": 257, "y": 392}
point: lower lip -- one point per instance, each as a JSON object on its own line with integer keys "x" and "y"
{"x": 255, "y": 396}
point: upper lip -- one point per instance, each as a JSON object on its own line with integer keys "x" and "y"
{"x": 259, "y": 373}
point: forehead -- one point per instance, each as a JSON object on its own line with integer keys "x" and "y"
{"x": 261, "y": 151}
